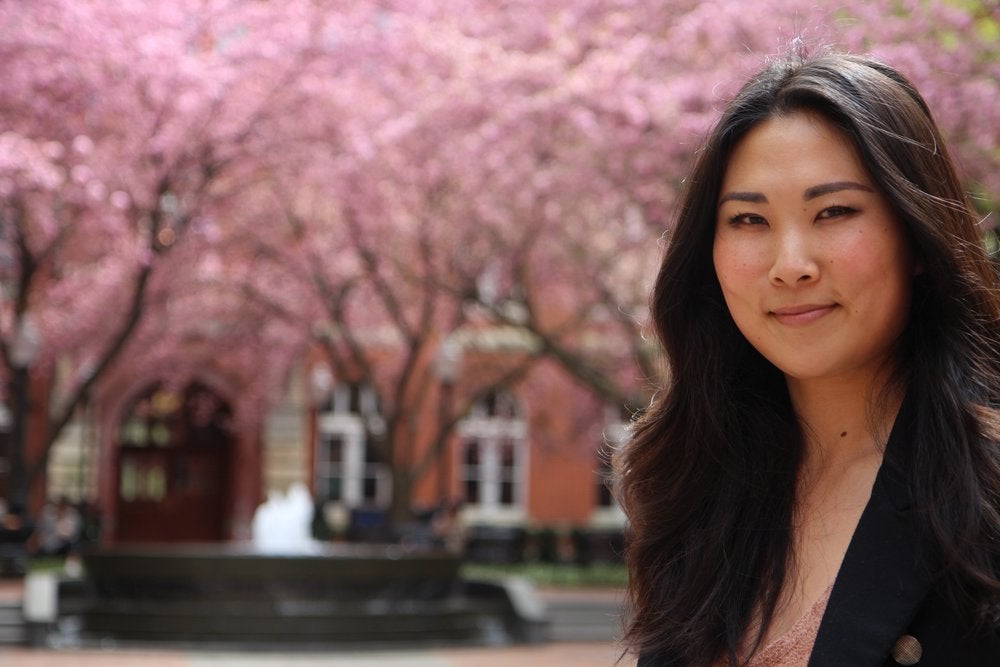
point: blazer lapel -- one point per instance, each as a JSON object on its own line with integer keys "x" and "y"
{"x": 879, "y": 585}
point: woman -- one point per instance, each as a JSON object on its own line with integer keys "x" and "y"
{"x": 819, "y": 483}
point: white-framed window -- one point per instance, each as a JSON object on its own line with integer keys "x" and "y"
{"x": 350, "y": 469}
{"x": 607, "y": 511}
{"x": 493, "y": 460}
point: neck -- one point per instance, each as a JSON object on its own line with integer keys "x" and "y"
{"x": 842, "y": 422}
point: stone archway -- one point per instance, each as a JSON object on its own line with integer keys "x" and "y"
{"x": 172, "y": 466}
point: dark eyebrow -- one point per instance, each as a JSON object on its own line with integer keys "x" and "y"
{"x": 810, "y": 193}
{"x": 752, "y": 197}
{"x": 836, "y": 186}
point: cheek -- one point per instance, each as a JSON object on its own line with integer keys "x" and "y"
{"x": 879, "y": 267}
{"x": 736, "y": 270}
{"x": 737, "y": 265}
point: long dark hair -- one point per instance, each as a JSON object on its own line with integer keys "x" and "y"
{"x": 708, "y": 479}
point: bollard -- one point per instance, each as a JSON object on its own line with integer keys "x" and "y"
{"x": 39, "y": 607}
{"x": 529, "y": 609}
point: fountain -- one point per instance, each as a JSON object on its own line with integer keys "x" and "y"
{"x": 282, "y": 524}
{"x": 285, "y": 590}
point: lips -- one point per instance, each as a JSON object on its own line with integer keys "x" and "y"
{"x": 802, "y": 314}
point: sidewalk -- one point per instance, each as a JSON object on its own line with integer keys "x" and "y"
{"x": 551, "y": 655}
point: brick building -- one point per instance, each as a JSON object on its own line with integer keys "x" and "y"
{"x": 177, "y": 465}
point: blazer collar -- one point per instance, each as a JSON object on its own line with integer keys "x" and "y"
{"x": 880, "y": 583}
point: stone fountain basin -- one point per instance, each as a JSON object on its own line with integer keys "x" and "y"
{"x": 337, "y": 595}
{"x": 328, "y": 572}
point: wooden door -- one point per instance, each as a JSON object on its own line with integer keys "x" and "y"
{"x": 172, "y": 469}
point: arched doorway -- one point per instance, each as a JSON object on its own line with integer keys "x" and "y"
{"x": 173, "y": 454}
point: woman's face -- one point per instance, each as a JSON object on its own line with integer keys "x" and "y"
{"x": 814, "y": 267}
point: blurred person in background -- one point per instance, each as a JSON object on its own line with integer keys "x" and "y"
{"x": 59, "y": 528}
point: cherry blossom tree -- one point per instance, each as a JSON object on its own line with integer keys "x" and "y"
{"x": 126, "y": 126}
{"x": 360, "y": 261}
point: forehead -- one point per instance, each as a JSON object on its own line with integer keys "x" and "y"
{"x": 793, "y": 148}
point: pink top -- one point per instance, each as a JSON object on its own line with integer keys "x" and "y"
{"x": 793, "y": 648}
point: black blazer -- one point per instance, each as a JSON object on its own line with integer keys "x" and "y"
{"x": 882, "y": 606}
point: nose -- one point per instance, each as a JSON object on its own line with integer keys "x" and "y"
{"x": 794, "y": 260}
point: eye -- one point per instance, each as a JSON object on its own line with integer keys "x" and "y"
{"x": 751, "y": 219}
{"x": 836, "y": 212}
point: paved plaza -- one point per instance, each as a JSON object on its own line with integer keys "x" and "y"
{"x": 582, "y": 654}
